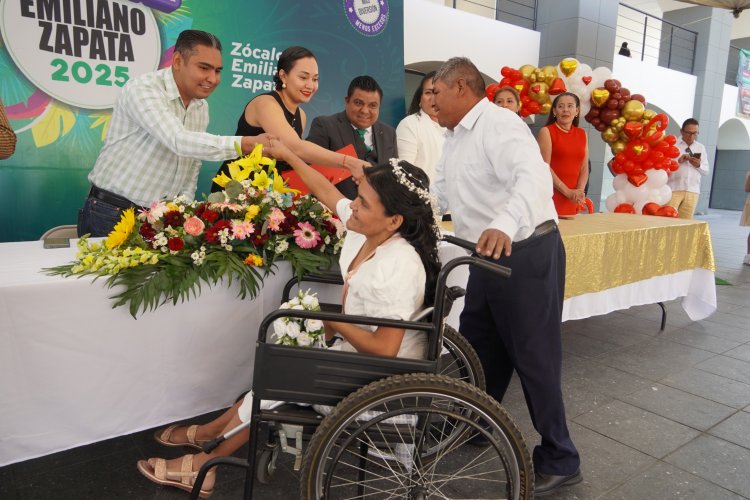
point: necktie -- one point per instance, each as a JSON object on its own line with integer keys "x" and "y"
{"x": 361, "y": 132}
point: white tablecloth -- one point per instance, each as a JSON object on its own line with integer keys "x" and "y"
{"x": 75, "y": 371}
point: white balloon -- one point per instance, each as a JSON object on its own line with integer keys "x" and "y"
{"x": 665, "y": 194}
{"x": 622, "y": 197}
{"x": 656, "y": 178}
{"x": 654, "y": 195}
{"x": 585, "y": 107}
{"x": 612, "y": 202}
{"x": 600, "y": 75}
{"x": 639, "y": 206}
{"x": 619, "y": 182}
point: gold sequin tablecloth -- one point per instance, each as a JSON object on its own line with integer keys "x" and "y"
{"x": 608, "y": 250}
{"x": 616, "y": 261}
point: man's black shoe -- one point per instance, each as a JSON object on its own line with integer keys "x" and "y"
{"x": 546, "y": 484}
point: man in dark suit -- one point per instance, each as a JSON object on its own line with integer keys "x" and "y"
{"x": 358, "y": 124}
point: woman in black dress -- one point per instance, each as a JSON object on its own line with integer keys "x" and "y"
{"x": 279, "y": 113}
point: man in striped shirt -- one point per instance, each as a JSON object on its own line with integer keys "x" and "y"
{"x": 157, "y": 136}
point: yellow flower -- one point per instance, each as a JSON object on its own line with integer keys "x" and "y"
{"x": 221, "y": 179}
{"x": 173, "y": 207}
{"x": 253, "y": 260}
{"x": 252, "y": 211}
{"x": 261, "y": 181}
{"x": 122, "y": 230}
{"x": 280, "y": 186}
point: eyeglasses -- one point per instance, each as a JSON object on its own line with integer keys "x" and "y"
{"x": 689, "y": 133}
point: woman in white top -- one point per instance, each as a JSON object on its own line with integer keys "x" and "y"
{"x": 390, "y": 264}
{"x": 420, "y": 138}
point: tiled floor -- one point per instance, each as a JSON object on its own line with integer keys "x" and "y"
{"x": 654, "y": 415}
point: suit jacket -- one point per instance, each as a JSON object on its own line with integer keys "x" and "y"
{"x": 333, "y": 132}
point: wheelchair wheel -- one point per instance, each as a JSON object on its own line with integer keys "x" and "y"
{"x": 373, "y": 443}
{"x": 459, "y": 359}
{"x": 265, "y": 465}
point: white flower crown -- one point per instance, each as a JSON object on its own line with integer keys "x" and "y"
{"x": 408, "y": 181}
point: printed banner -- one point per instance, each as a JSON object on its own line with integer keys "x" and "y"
{"x": 743, "y": 84}
{"x": 64, "y": 62}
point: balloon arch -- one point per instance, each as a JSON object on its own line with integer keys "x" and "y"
{"x": 643, "y": 154}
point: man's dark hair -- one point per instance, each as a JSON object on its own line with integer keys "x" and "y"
{"x": 188, "y": 39}
{"x": 690, "y": 121}
{"x": 366, "y": 83}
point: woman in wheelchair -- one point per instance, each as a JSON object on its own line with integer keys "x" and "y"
{"x": 389, "y": 263}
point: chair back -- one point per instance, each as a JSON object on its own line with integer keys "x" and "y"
{"x": 66, "y": 231}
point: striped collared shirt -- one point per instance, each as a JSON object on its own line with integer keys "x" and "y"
{"x": 155, "y": 145}
{"x": 7, "y": 136}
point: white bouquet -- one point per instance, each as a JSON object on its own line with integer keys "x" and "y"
{"x": 298, "y": 331}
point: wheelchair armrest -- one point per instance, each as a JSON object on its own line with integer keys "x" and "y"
{"x": 324, "y": 277}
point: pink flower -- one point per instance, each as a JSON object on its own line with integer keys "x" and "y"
{"x": 242, "y": 229}
{"x": 194, "y": 226}
{"x": 275, "y": 219}
{"x": 154, "y": 212}
{"x": 306, "y": 236}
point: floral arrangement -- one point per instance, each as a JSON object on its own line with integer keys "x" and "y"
{"x": 166, "y": 251}
{"x": 298, "y": 331}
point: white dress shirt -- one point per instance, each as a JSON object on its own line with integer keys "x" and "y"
{"x": 687, "y": 177}
{"x": 491, "y": 175}
{"x": 420, "y": 141}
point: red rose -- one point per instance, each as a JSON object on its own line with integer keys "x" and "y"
{"x": 147, "y": 231}
{"x": 175, "y": 244}
{"x": 210, "y": 215}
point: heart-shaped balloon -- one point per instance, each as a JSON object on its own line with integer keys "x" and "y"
{"x": 666, "y": 211}
{"x": 568, "y": 66}
{"x": 599, "y": 96}
{"x": 650, "y": 208}
{"x": 637, "y": 179}
{"x": 625, "y": 208}
{"x": 557, "y": 87}
{"x": 632, "y": 129}
{"x": 535, "y": 88}
{"x": 586, "y": 79}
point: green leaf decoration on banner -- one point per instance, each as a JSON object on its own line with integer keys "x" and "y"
{"x": 101, "y": 120}
{"x": 57, "y": 121}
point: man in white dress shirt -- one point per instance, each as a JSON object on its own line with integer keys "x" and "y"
{"x": 685, "y": 182}
{"x": 492, "y": 177}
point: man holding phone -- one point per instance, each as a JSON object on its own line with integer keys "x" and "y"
{"x": 685, "y": 182}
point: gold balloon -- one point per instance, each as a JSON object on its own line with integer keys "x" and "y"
{"x": 599, "y": 96}
{"x": 550, "y": 73}
{"x": 609, "y": 135}
{"x": 546, "y": 107}
{"x": 526, "y": 70}
{"x": 648, "y": 114}
{"x": 633, "y": 110}
{"x": 532, "y": 78}
{"x": 539, "y": 92}
{"x": 624, "y": 136}
{"x": 568, "y": 66}
{"x": 618, "y": 147}
{"x": 618, "y": 124}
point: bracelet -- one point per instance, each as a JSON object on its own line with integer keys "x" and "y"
{"x": 343, "y": 161}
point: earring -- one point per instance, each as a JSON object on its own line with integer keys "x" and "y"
{"x": 283, "y": 85}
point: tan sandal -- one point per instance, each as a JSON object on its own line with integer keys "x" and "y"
{"x": 164, "y": 436}
{"x": 155, "y": 469}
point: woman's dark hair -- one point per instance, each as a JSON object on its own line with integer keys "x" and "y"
{"x": 288, "y": 59}
{"x": 418, "y": 227}
{"x": 552, "y": 118}
{"x": 414, "y": 106}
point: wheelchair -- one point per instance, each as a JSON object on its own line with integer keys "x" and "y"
{"x": 394, "y": 427}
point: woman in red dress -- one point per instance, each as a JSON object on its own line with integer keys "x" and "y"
{"x": 564, "y": 147}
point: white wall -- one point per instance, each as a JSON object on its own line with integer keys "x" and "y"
{"x": 672, "y": 91}
{"x": 433, "y": 32}
{"x": 734, "y": 130}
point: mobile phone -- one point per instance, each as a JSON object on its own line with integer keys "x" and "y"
{"x": 696, "y": 155}
{"x": 56, "y": 242}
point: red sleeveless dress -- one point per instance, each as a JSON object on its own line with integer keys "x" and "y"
{"x": 568, "y": 151}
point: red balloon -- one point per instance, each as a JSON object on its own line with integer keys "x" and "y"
{"x": 639, "y": 97}
{"x": 621, "y": 103}
{"x": 673, "y": 165}
{"x": 625, "y": 93}
{"x": 607, "y": 115}
{"x": 601, "y": 127}
{"x": 617, "y": 96}
{"x": 671, "y": 151}
{"x": 596, "y": 121}
{"x": 650, "y": 208}
{"x": 612, "y": 103}
{"x": 662, "y": 146}
{"x": 491, "y": 89}
{"x": 524, "y": 112}
{"x": 534, "y": 107}
{"x": 557, "y": 87}
{"x": 662, "y": 121}
{"x": 625, "y": 208}
{"x": 637, "y": 179}
{"x": 612, "y": 85}
{"x": 667, "y": 211}
{"x": 506, "y": 71}
{"x": 633, "y": 129}
{"x": 657, "y": 156}
{"x": 505, "y": 82}
{"x": 671, "y": 140}
{"x": 628, "y": 166}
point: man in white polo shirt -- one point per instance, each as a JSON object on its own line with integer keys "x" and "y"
{"x": 685, "y": 182}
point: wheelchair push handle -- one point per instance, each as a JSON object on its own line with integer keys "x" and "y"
{"x": 479, "y": 260}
